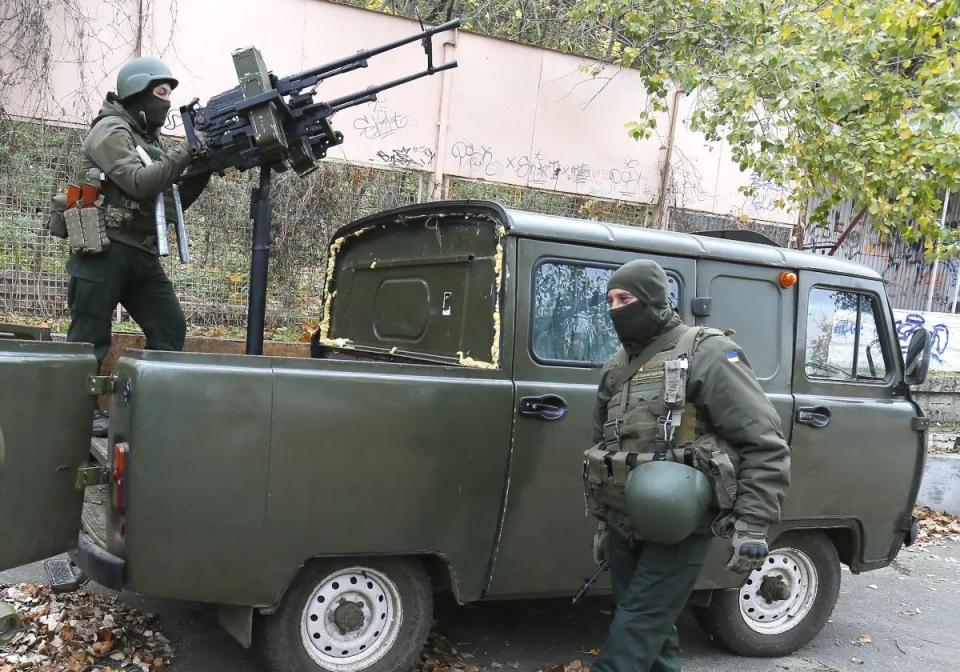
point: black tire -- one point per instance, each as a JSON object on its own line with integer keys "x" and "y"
{"x": 724, "y": 620}
{"x": 279, "y": 640}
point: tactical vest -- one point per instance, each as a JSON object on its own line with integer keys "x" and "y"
{"x": 650, "y": 418}
{"x": 113, "y": 211}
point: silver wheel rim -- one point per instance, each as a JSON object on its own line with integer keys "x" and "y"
{"x": 351, "y": 619}
{"x": 797, "y": 572}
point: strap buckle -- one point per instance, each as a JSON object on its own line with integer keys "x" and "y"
{"x": 611, "y": 433}
{"x": 665, "y": 427}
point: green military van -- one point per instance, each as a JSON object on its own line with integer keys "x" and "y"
{"x": 433, "y": 441}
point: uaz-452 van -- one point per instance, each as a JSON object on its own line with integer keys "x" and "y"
{"x": 433, "y": 441}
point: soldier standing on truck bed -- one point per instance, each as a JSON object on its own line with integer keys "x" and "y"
{"x": 686, "y": 443}
{"x": 118, "y": 262}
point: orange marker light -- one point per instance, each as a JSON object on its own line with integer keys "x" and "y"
{"x": 788, "y": 279}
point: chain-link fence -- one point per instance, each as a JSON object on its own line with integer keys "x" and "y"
{"x": 38, "y": 158}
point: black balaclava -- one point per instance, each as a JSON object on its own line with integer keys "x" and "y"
{"x": 638, "y": 323}
{"x": 148, "y": 109}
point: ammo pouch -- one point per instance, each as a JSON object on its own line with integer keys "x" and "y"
{"x": 86, "y": 229}
{"x": 714, "y": 457}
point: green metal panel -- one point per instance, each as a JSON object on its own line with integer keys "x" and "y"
{"x": 545, "y": 543}
{"x": 242, "y": 468}
{"x": 45, "y": 417}
{"x": 865, "y": 465}
{"x": 387, "y": 459}
{"x": 425, "y": 285}
{"x": 198, "y": 427}
{"x": 750, "y": 301}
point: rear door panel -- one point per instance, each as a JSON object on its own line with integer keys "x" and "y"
{"x": 45, "y": 420}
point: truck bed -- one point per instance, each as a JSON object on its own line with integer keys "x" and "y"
{"x": 96, "y": 498}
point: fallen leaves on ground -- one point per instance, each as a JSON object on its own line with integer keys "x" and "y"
{"x": 439, "y": 655}
{"x": 80, "y": 632}
{"x": 936, "y": 527}
{"x": 572, "y": 666}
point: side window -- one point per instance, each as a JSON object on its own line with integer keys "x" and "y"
{"x": 843, "y": 341}
{"x": 570, "y": 324}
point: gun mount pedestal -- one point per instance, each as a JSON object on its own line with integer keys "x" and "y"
{"x": 260, "y": 210}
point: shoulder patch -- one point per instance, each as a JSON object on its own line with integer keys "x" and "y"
{"x": 732, "y": 356}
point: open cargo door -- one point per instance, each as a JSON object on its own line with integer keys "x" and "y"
{"x": 45, "y": 417}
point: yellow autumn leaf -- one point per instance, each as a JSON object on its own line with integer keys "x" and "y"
{"x": 826, "y": 12}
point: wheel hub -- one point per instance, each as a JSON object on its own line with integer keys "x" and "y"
{"x": 776, "y": 597}
{"x": 774, "y": 589}
{"x": 348, "y": 616}
{"x": 351, "y": 619}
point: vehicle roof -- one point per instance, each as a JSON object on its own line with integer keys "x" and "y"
{"x": 617, "y": 236}
{"x": 602, "y": 234}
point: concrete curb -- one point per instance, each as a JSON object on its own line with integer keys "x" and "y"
{"x": 940, "y": 488}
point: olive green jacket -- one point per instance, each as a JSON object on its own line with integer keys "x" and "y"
{"x": 723, "y": 388}
{"x": 111, "y": 146}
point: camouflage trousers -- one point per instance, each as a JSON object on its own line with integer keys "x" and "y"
{"x": 124, "y": 275}
{"x": 651, "y": 584}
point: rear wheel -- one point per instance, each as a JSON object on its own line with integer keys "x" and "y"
{"x": 362, "y": 616}
{"x": 782, "y": 605}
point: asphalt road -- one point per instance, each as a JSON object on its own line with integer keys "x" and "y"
{"x": 536, "y": 634}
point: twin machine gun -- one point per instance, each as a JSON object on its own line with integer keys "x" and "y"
{"x": 275, "y": 123}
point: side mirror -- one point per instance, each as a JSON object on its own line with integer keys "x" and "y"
{"x": 916, "y": 363}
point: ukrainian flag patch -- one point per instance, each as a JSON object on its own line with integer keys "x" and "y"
{"x": 733, "y": 357}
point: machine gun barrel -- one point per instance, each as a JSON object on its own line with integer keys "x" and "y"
{"x": 308, "y": 78}
{"x": 370, "y": 93}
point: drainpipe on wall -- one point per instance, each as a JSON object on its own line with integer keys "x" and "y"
{"x": 936, "y": 262}
{"x": 439, "y": 159}
{"x": 138, "y": 44}
{"x": 662, "y": 220}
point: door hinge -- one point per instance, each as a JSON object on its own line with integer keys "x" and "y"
{"x": 88, "y": 476}
{"x": 920, "y": 423}
{"x": 98, "y": 385}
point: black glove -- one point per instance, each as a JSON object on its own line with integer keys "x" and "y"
{"x": 750, "y": 547}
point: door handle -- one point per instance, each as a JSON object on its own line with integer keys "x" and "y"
{"x": 547, "y": 407}
{"x": 815, "y": 416}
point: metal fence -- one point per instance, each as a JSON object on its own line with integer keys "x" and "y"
{"x": 904, "y": 267}
{"x": 38, "y": 158}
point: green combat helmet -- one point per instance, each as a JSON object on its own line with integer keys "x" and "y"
{"x": 666, "y": 501}
{"x": 142, "y": 73}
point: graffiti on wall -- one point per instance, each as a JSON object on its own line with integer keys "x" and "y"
{"x": 537, "y": 170}
{"x": 944, "y": 353}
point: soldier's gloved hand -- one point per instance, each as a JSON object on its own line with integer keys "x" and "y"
{"x": 749, "y": 547}
{"x": 601, "y": 539}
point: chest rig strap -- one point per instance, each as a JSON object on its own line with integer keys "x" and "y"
{"x": 676, "y": 373}
{"x": 611, "y": 428}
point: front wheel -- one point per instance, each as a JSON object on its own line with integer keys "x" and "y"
{"x": 362, "y": 616}
{"x": 782, "y": 605}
